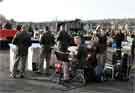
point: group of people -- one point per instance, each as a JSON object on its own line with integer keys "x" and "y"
{"x": 47, "y": 40}
{"x": 22, "y": 40}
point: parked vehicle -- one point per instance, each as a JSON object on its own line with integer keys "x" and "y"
{"x": 6, "y": 36}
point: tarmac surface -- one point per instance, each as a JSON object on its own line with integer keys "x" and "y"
{"x": 29, "y": 85}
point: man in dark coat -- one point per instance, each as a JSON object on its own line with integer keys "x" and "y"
{"x": 47, "y": 41}
{"x": 64, "y": 42}
{"x": 64, "y": 39}
{"x": 22, "y": 40}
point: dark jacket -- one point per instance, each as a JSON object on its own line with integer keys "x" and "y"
{"x": 102, "y": 43}
{"x": 118, "y": 39}
{"x": 64, "y": 39}
{"x": 47, "y": 40}
{"x": 22, "y": 40}
{"x": 133, "y": 47}
{"x": 82, "y": 53}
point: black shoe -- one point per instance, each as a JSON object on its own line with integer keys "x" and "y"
{"x": 21, "y": 76}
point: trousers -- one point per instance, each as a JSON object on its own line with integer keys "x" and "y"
{"x": 66, "y": 70}
{"x": 45, "y": 55}
{"x": 20, "y": 61}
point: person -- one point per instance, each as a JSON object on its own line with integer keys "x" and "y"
{"x": 19, "y": 27}
{"x": 92, "y": 51}
{"x": 63, "y": 39}
{"x": 30, "y": 29}
{"x": 81, "y": 51}
{"x": 83, "y": 60}
{"x": 100, "y": 52}
{"x": 119, "y": 38}
{"x": 101, "y": 46}
{"x": 64, "y": 42}
{"x": 133, "y": 48}
{"x": 8, "y": 25}
{"x": 22, "y": 40}
{"x": 36, "y": 34}
{"x": 47, "y": 41}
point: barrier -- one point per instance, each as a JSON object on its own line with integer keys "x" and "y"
{"x": 33, "y": 56}
{"x": 13, "y": 49}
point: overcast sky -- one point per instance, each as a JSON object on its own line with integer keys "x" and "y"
{"x": 48, "y": 10}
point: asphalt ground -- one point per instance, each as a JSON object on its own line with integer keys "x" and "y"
{"x": 28, "y": 85}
